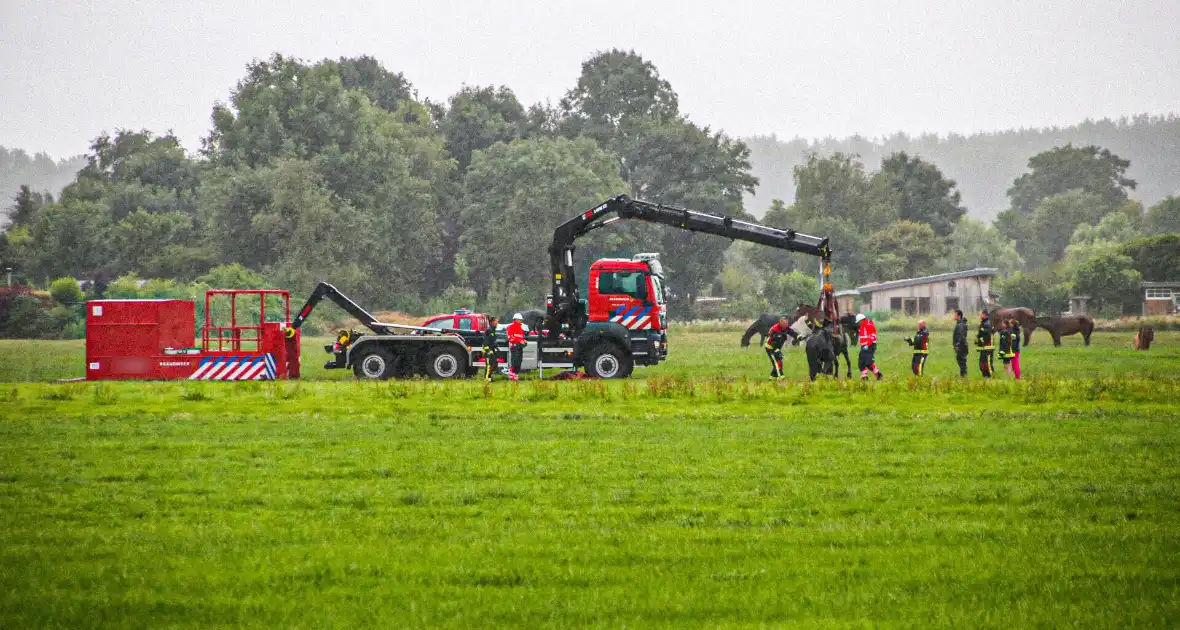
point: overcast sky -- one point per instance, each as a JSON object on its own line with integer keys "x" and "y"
{"x": 71, "y": 69}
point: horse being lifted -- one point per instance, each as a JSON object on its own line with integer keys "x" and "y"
{"x": 821, "y": 353}
{"x": 838, "y": 342}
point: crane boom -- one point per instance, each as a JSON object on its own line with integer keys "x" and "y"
{"x": 566, "y": 308}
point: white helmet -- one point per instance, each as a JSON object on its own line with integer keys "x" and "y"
{"x": 859, "y": 318}
{"x": 517, "y": 317}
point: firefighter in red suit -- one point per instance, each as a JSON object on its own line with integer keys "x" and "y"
{"x": 868, "y": 347}
{"x": 516, "y": 343}
{"x": 776, "y": 338}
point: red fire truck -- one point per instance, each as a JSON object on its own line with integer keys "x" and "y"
{"x": 622, "y": 323}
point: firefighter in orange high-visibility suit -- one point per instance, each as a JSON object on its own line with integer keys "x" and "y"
{"x": 867, "y": 337}
{"x": 516, "y": 344}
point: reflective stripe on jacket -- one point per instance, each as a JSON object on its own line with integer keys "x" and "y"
{"x": 983, "y": 338}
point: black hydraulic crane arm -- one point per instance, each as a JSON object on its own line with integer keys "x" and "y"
{"x": 325, "y": 290}
{"x": 566, "y": 306}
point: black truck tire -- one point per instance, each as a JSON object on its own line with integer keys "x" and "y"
{"x": 607, "y": 360}
{"x": 373, "y": 363}
{"x": 445, "y": 362}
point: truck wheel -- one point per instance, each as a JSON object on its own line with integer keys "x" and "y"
{"x": 607, "y": 361}
{"x": 374, "y": 364}
{"x": 443, "y": 362}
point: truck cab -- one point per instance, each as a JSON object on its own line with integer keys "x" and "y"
{"x": 629, "y": 292}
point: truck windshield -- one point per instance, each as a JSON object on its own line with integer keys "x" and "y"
{"x": 629, "y": 283}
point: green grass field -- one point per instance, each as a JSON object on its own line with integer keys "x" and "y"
{"x": 697, "y": 494}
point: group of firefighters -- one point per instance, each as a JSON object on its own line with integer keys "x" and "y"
{"x": 1007, "y": 335}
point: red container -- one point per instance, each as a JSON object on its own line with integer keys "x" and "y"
{"x": 139, "y": 339}
{"x": 153, "y": 339}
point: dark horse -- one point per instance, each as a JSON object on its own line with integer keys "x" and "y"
{"x": 533, "y": 318}
{"x": 821, "y": 353}
{"x": 1026, "y": 316}
{"x": 1062, "y": 325}
{"x": 839, "y": 342}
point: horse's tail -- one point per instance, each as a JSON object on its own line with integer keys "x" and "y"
{"x": 750, "y": 332}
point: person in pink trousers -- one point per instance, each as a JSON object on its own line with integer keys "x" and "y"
{"x": 1014, "y": 327}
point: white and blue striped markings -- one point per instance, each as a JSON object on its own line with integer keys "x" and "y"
{"x": 253, "y": 367}
{"x": 634, "y": 316}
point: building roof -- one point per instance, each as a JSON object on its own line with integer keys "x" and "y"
{"x": 1175, "y": 284}
{"x": 846, "y": 292}
{"x": 942, "y": 277}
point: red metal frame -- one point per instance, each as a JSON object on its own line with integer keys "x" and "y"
{"x": 238, "y": 334}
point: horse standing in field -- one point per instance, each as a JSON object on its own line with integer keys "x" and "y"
{"x": 1026, "y": 316}
{"x": 1144, "y": 337}
{"x": 1062, "y": 325}
{"x": 761, "y": 327}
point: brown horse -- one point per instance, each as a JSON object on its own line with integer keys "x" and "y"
{"x": 1062, "y": 325}
{"x": 1026, "y": 316}
{"x": 1144, "y": 337}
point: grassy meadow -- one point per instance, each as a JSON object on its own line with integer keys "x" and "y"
{"x": 698, "y": 494}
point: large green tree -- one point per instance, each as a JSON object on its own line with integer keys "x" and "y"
{"x": 976, "y": 244}
{"x": 1091, "y": 169}
{"x": 1111, "y": 282}
{"x": 1156, "y": 257}
{"x": 71, "y": 239}
{"x": 515, "y": 194}
{"x": 836, "y": 185}
{"x": 617, "y": 89}
{"x": 920, "y": 192}
{"x": 24, "y": 207}
{"x": 385, "y": 89}
{"x": 1048, "y": 230}
{"x": 852, "y": 257}
{"x": 622, "y": 103}
{"x": 383, "y": 179}
{"x": 678, "y": 163}
{"x": 131, "y": 208}
{"x": 1163, "y": 217}
{"x": 1064, "y": 187}
{"x": 477, "y": 118}
{"x": 905, "y": 249}
{"x": 1043, "y": 290}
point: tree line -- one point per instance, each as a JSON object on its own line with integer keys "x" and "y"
{"x": 337, "y": 170}
{"x": 984, "y": 164}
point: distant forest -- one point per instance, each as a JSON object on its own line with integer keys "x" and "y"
{"x": 984, "y": 164}
{"x": 39, "y": 172}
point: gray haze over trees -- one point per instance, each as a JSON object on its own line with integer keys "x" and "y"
{"x": 984, "y": 164}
